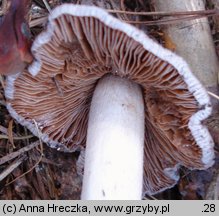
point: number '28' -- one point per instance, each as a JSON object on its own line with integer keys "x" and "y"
{"x": 209, "y": 208}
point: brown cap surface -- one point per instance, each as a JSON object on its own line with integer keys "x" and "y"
{"x": 74, "y": 53}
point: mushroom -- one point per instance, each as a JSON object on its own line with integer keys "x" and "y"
{"x": 14, "y": 37}
{"x": 100, "y": 83}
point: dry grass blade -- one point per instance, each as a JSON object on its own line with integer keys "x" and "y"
{"x": 41, "y": 156}
{"x": 167, "y": 21}
{"x": 37, "y": 163}
{"x": 38, "y": 22}
{"x": 11, "y": 167}
{"x": 173, "y": 14}
{"x": 2, "y": 136}
{"x": 149, "y": 197}
{"x": 10, "y": 132}
{"x": 213, "y": 95}
{"x": 176, "y": 16}
{"x": 47, "y": 5}
{"x": 19, "y": 152}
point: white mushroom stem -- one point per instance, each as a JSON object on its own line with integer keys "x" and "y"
{"x": 192, "y": 39}
{"x": 115, "y": 140}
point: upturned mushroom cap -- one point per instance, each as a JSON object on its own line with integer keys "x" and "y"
{"x": 81, "y": 45}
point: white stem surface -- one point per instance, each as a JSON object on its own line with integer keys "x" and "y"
{"x": 115, "y": 140}
{"x": 192, "y": 40}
